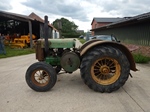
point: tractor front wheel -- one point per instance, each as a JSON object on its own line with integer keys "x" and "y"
{"x": 105, "y": 69}
{"x": 41, "y": 76}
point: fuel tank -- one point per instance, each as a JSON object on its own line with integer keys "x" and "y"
{"x": 58, "y": 43}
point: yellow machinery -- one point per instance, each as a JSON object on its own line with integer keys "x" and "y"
{"x": 22, "y": 41}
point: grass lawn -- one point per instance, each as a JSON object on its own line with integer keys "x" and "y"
{"x": 82, "y": 40}
{"x": 10, "y": 52}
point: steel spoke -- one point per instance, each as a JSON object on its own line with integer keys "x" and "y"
{"x": 97, "y": 66}
{"x": 37, "y": 73}
{"x": 96, "y": 71}
{"x": 98, "y": 76}
{"x": 112, "y": 67}
{"x": 111, "y": 63}
{"x": 101, "y": 76}
{"x": 99, "y": 63}
{"x": 105, "y": 61}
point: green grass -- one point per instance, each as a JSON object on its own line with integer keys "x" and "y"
{"x": 10, "y": 52}
{"x": 82, "y": 40}
{"x": 139, "y": 58}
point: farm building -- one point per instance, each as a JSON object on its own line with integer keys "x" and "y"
{"x": 14, "y": 25}
{"x": 132, "y": 30}
{"x": 99, "y": 22}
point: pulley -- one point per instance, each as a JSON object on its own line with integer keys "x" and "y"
{"x": 70, "y": 61}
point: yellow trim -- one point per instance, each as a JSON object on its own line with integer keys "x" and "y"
{"x": 102, "y": 71}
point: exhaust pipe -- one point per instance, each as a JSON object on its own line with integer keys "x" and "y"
{"x": 46, "y": 35}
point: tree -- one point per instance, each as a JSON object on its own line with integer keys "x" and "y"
{"x": 67, "y": 28}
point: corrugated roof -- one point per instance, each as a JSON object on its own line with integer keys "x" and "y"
{"x": 126, "y": 20}
{"x": 15, "y": 16}
{"x": 107, "y": 19}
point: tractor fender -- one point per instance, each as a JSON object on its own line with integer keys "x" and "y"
{"x": 93, "y": 43}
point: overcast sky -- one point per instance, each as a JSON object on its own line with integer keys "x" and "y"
{"x": 81, "y": 12}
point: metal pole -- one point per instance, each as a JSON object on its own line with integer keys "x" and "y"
{"x": 87, "y": 36}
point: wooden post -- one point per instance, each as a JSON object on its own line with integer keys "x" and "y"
{"x": 30, "y": 32}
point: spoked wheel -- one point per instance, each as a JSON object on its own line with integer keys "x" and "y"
{"x": 105, "y": 69}
{"x": 41, "y": 76}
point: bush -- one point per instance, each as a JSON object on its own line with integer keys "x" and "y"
{"x": 139, "y": 58}
{"x": 67, "y": 35}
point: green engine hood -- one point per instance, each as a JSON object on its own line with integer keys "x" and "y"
{"x": 58, "y": 43}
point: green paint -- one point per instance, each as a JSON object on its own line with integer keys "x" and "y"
{"x": 59, "y": 43}
{"x": 54, "y": 61}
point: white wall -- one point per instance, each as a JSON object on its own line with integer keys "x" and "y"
{"x": 55, "y": 34}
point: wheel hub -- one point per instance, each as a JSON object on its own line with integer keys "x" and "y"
{"x": 104, "y": 69}
{"x": 41, "y": 78}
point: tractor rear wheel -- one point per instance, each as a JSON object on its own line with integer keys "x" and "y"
{"x": 105, "y": 69}
{"x": 41, "y": 76}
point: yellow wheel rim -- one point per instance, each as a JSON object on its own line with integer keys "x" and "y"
{"x": 40, "y": 78}
{"x": 105, "y": 71}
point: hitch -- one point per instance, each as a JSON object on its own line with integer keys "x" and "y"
{"x": 130, "y": 75}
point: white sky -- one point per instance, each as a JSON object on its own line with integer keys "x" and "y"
{"x": 80, "y": 12}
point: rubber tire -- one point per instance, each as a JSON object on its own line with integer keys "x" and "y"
{"x": 41, "y": 66}
{"x": 100, "y": 52}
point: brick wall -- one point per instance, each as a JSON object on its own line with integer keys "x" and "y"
{"x": 98, "y": 24}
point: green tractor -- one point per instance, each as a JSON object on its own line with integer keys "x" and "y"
{"x": 104, "y": 65}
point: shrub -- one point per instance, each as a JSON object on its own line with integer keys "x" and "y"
{"x": 139, "y": 58}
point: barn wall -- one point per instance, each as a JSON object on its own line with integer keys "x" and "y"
{"x": 138, "y": 33}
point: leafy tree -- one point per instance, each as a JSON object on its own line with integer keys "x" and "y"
{"x": 67, "y": 28}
